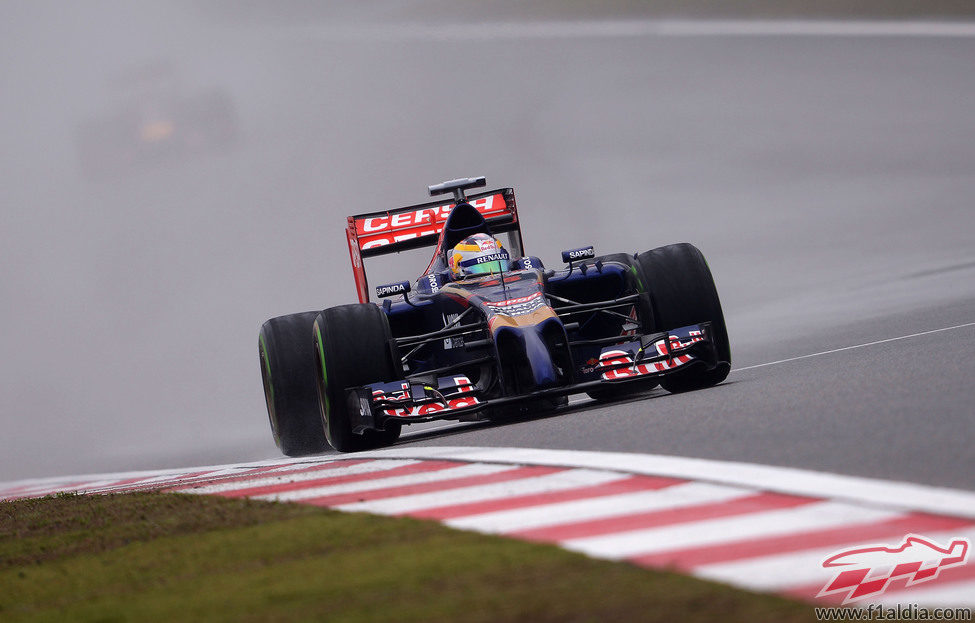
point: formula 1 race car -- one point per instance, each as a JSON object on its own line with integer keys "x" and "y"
{"x": 488, "y": 337}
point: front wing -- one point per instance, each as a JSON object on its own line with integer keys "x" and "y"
{"x": 455, "y": 397}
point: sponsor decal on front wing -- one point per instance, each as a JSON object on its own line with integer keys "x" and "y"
{"x": 458, "y": 391}
{"x": 614, "y": 357}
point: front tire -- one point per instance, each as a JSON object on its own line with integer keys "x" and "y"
{"x": 351, "y": 344}
{"x": 682, "y": 293}
{"x": 290, "y": 385}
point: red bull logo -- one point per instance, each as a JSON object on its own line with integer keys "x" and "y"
{"x": 867, "y": 571}
{"x": 460, "y": 389}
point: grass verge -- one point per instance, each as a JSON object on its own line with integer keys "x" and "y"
{"x": 154, "y": 556}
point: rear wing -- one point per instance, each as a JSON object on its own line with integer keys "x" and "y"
{"x": 418, "y": 226}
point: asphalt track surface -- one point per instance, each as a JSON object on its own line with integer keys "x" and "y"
{"x": 828, "y": 177}
{"x": 887, "y": 410}
{"x": 822, "y": 134}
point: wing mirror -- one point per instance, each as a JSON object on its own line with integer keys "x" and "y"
{"x": 574, "y": 255}
{"x": 392, "y": 289}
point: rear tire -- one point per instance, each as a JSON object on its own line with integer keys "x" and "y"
{"x": 351, "y": 346}
{"x": 682, "y": 293}
{"x": 290, "y": 386}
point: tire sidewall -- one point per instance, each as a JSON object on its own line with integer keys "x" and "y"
{"x": 352, "y": 348}
{"x": 288, "y": 374}
{"x": 682, "y": 293}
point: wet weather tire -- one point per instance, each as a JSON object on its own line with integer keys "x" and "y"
{"x": 682, "y": 293}
{"x": 351, "y": 344}
{"x": 290, "y": 383}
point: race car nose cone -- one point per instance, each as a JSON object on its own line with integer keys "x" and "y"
{"x": 537, "y": 358}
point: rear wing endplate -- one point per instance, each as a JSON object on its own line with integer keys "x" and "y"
{"x": 418, "y": 226}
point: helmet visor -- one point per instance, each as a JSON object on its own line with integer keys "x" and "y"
{"x": 485, "y": 264}
{"x": 496, "y": 266}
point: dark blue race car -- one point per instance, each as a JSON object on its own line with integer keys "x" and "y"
{"x": 486, "y": 331}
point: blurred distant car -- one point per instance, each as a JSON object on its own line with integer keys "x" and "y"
{"x": 158, "y": 118}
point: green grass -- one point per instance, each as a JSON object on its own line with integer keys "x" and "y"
{"x": 153, "y": 556}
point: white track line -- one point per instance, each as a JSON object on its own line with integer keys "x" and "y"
{"x": 839, "y": 350}
{"x": 56, "y": 484}
{"x": 450, "y": 473}
{"x": 628, "y": 28}
{"x": 765, "y": 524}
{"x": 262, "y": 480}
{"x": 547, "y": 515}
{"x": 559, "y": 481}
{"x": 188, "y": 479}
{"x": 788, "y": 480}
{"x": 823, "y": 28}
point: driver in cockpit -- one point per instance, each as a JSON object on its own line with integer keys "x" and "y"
{"x": 476, "y": 255}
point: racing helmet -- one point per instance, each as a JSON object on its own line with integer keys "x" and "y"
{"x": 480, "y": 254}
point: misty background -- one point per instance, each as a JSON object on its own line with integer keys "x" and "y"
{"x": 826, "y": 179}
